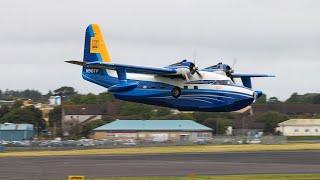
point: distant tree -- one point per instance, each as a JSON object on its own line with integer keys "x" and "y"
{"x": 271, "y": 120}
{"x": 28, "y": 114}
{"x": 219, "y": 125}
{"x": 91, "y": 99}
{"x": 4, "y": 109}
{"x": 84, "y": 99}
{"x": 262, "y": 99}
{"x": 201, "y": 116}
{"x": 273, "y": 100}
{"x": 65, "y": 92}
{"x": 162, "y": 111}
{"x": 142, "y": 110}
{"x": 316, "y": 99}
{"x": 294, "y": 98}
{"x": 48, "y": 95}
{"x": 75, "y": 130}
{"x": 17, "y": 104}
{"x": 31, "y": 94}
{"x": 88, "y": 127}
{"x": 309, "y": 98}
{"x": 55, "y": 121}
{"x": 25, "y": 94}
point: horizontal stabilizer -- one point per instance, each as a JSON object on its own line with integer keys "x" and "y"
{"x": 246, "y": 78}
{"x": 80, "y": 63}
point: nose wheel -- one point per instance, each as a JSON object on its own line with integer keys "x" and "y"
{"x": 176, "y": 92}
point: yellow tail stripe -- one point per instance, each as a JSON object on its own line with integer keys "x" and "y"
{"x": 98, "y": 45}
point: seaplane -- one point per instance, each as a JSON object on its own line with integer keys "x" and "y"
{"x": 182, "y": 85}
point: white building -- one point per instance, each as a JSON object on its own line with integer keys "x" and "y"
{"x": 55, "y": 100}
{"x": 300, "y": 127}
{"x": 154, "y": 130}
{"x": 73, "y": 115}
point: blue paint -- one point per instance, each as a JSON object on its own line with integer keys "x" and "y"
{"x": 122, "y": 87}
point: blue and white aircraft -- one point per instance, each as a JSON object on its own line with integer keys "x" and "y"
{"x": 181, "y": 85}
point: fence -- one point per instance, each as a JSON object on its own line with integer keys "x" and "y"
{"x": 103, "y": 144}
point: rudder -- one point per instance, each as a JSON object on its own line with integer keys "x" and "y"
{"x": 95, "y": 48}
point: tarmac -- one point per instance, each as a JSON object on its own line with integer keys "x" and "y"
{"x": 59, "y": 167}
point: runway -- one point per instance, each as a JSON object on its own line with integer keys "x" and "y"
{"x": 59, "y": 167}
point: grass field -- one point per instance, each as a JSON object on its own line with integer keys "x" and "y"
{"x": 301, "y": 138}
{"x": 169, "y": 149}
{"x": 227, "y": 177}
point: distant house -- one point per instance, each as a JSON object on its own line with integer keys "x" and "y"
{"x": 300, "y": 127}
{"x": 81, "y": 114}
{"x": 16, "y": 132}
{"x": 84, "y": 112}
{"x": 153, "y": 130}
{"x": 6, "y": 103}
{"x": 286, "y": 108}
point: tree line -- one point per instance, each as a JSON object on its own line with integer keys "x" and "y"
{"x": 69, "y": 93}
{"x": 217, "y": 121}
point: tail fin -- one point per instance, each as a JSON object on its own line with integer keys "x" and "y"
{"x": 95, "y": 48}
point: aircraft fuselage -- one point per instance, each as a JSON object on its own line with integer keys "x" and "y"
{"x": 212, "y": 92}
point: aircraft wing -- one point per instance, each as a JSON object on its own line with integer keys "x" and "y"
{"x": 241, "y": 75}
{"x": 127, "y": 68}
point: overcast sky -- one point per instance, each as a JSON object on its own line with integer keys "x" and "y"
{"x": 277, "y": 37}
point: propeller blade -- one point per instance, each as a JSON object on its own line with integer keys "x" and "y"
{"x": 186, "y": 76}
{"x": 234, "y": 63}
{"x": 192, "y": 68}
{"x": 199, "y": 74}
{"x": 194, "y": 54}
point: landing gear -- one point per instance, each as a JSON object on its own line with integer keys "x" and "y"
{"x": 176, "y": 92}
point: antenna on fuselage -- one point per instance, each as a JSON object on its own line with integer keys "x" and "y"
{"x": 194, "y": 55}
{"x": 235, "y": 60}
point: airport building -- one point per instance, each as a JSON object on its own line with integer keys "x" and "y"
{"x": 300, "y": 127}
{"x": 154, "y": 130}
{"x": 16, "y": 132}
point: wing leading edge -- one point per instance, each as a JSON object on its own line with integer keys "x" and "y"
{"x": 128, "y": 68}
{"x": 240, "y": 75}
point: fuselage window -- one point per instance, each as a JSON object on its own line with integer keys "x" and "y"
{"x": 185, "y": 87}
{"x": 195, "y": 87}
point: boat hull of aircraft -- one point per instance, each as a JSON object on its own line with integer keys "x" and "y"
{"x": 209, "y": 101}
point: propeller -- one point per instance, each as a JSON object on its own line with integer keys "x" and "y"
{"x": 193, "y": 69}
{"x": 229, "y": 70}
{"x": 189, "y": 69}
{"x": 235, "y": 60}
